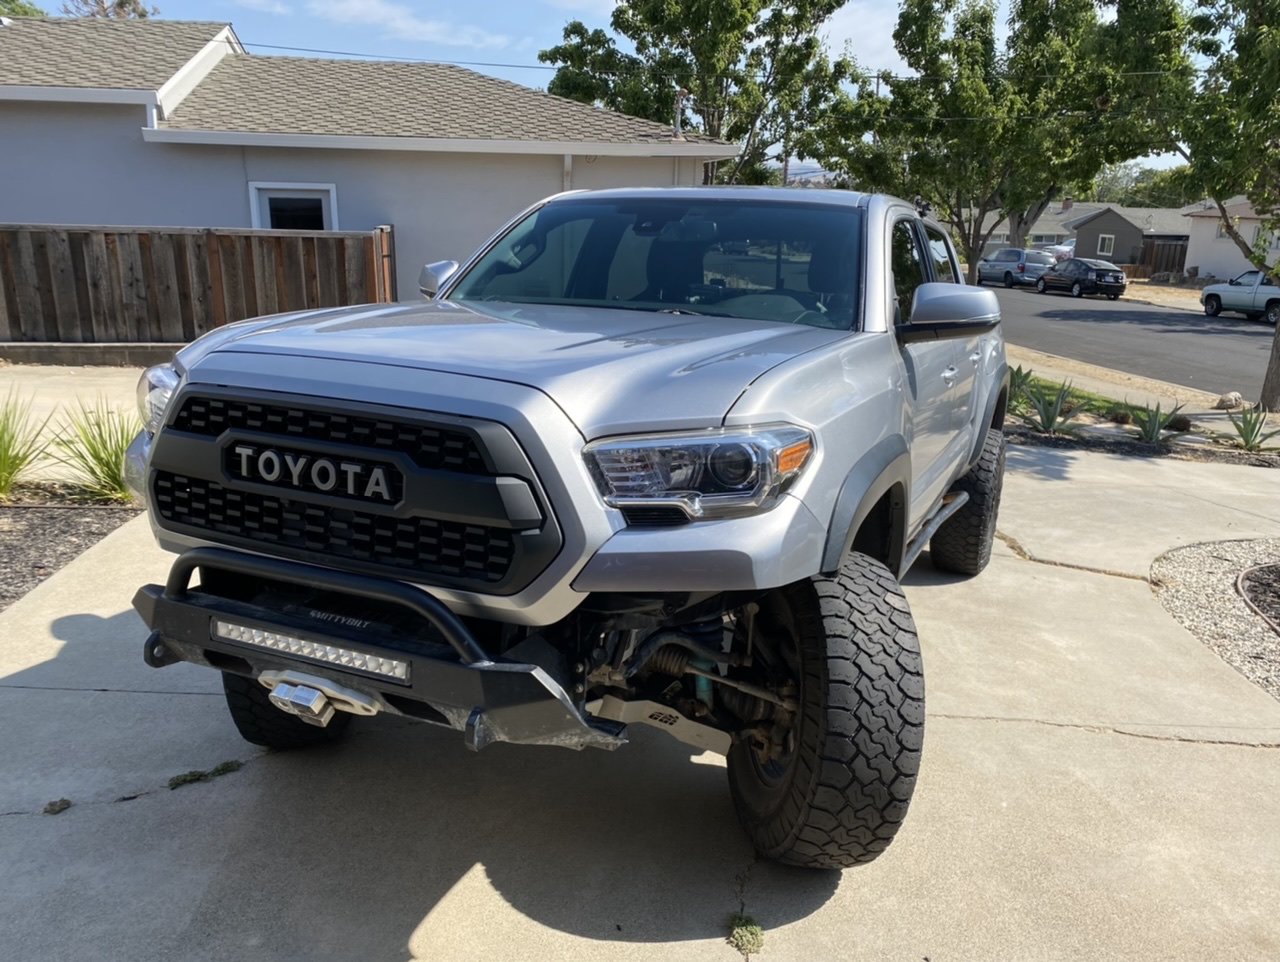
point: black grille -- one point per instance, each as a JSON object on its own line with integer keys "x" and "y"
{"x": 429, "y": 446}
{"x": 420, "y": 545}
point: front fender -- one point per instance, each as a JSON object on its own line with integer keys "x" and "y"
{"x": 887, "y": 465}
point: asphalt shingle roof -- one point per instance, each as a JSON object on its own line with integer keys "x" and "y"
{"x": 295, "y": 95}
{"x": 134, "y": 54}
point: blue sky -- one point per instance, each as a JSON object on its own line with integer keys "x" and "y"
{"x": 499, "y": 37}
{"x": 494, "y": 31}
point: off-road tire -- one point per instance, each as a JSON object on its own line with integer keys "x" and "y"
{"x": 963, "y": 542}
{"x": 262, "y": 723}
{"x": 1041, "y": 286}
{"x": 1008, "y": 279}
{"x": 1077, "y": 290}
{"x": 860, "y": 724}
{"x": 1113, "y": 297}
{"x": 1212, "y": 305}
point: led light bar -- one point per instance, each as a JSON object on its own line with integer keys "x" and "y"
{"x": 315, "y": 650}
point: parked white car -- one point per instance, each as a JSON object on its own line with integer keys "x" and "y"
{"x": 1063, "y": 251}
{"x": 1253, "y": 294}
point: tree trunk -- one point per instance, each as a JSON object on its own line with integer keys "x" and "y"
{"x": 1270, "y": 400}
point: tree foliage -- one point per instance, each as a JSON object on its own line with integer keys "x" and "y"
{"x": 752, "y": 71}
{"x": 1130, "y": 184}
{"x": 109, "y": 9}
{"x": 985, "y": 130}
{"x": 1230, "y": 131}
{"x": 20, "y": 8}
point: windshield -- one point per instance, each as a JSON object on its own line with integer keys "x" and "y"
{"x": 792, "y": 263}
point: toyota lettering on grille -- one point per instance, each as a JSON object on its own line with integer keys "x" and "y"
{"x": 312, "y": 472}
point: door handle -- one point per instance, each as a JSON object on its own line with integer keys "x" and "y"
{"x": 949, "y": 375}
{"x": 976, "y": 357}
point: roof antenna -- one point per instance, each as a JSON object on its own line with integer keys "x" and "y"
{"x": 681, "y": 94}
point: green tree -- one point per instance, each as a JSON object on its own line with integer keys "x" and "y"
{"x": 1171, "y": 187}
{"x": 1230, "y": 132}
{"x": 20, "y": 8}
{"x": 986, "y": 131}
{"x": 109, "y": 9}
{"x": 752, "y": 71}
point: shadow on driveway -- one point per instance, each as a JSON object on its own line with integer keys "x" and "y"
{"x": 1169, "y": 322}
{"x": 369, "y": 849}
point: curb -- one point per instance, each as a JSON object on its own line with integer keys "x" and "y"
{"x": 1117, "y": 385}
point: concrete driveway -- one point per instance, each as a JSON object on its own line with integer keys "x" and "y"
{"x": 1096, "y": 785}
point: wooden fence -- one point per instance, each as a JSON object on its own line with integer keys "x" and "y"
{"x": 170, "y": 284}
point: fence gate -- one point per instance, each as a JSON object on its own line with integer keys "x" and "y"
{"x": 171, "y": 284}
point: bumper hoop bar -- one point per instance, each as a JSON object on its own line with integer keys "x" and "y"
{"x": 418, "y": 601}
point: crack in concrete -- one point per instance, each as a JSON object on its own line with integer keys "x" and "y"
{"x": 742, "y": 917}
{"x": 145, "y": 793}
{"x": 1106, "y": 730}
{"x": 111, "y": 691}
{"x": 1017, "y": 548}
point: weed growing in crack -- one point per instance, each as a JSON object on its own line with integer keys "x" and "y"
{"x": 745, "y": 935}
{"x": 57, "y": 806}
{"x": 195, "y": 775}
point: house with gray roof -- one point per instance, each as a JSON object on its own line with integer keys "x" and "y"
{"x": 168, "y": 123}
{"x": 1155, "y": 237}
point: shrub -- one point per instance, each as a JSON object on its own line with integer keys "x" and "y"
{"x": 1251, "y": 432}
{"x": 20, "y": 442}
{"x": 1120, "y": 415}
{"x": 1152, "y": 424}
{"x": 1049, "y": 411}
{"x": 1180, "y": 424}
{"x": 91, "y": 441}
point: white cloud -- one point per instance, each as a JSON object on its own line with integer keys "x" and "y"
{"x": 402, "y": 23}
{"x": 265, "y": 6}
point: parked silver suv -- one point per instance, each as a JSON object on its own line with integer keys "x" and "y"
{"x": 621, "y": 468}
{"x": 1014, "y": 267}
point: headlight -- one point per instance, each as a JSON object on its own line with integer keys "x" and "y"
{"x": 717, "y": 473}
{"x": 155, "y": 391}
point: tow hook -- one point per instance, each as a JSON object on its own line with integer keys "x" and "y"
{"x": 312, "y": 706}
{"x": 314, "y": 699}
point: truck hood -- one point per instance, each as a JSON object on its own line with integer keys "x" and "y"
{"x": 612, "y": 371}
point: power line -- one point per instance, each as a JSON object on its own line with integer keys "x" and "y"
{"x": 380, "y": 56}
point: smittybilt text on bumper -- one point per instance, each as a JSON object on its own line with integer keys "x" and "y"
{"x": 435, "y": 673}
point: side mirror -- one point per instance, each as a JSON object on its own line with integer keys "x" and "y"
{"x": 434, "y": 275}
{"x": 941, "y": 310}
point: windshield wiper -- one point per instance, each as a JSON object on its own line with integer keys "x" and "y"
{"x": 680, "y": 310}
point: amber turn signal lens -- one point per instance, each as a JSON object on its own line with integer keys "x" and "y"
{"x": 793, "y": 457}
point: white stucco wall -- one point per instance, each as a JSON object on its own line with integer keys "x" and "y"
{"x": 1216, "y": 256}
{"x": 88, "y": 164}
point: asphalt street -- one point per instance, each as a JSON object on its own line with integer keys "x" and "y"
{"x": 1215, "y": 354}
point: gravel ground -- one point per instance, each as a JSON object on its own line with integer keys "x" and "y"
{"x": 35, "y": 542}
{"x": 1178, "y": 451}
{"x": 1262, "y": 587}
{"x": 1197, "y": 585}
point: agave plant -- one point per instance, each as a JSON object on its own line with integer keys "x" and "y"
{"x": 91, "y": 441}
{"x": 1049, "y": 411}
{"x": 21, "y": 442}
{"x": 1251, "y": 429}
{"x": 1153, "y": 423}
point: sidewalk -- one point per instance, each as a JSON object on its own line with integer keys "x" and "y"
{"x": 1096, "y": 784}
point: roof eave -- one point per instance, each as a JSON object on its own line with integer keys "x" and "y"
{"x": 89, "y": 95}
{"x": 242, "y": 138}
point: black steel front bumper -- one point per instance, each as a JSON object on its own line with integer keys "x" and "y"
{"x": 450, "y": 680}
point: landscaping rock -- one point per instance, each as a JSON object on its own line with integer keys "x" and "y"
{"x": 1229, "y": 401}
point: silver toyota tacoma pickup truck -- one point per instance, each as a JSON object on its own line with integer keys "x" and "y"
{"x": 650, "y": 457}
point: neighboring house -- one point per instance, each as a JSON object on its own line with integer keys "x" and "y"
{"x": 170, "y": 123}
{"x": 1212, "y": 251}
{"x": 1150, "y": 236}
{"x": 1154, "y": 237}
